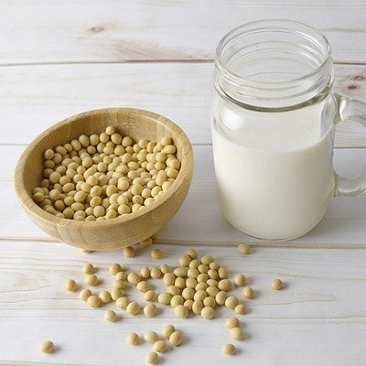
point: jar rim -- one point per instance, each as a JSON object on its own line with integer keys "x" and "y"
{"x": 268, "y": 24}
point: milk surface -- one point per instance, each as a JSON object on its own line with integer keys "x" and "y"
{"x": 273, "y": 171}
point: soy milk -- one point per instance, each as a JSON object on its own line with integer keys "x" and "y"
{"x": 273, "y": 171}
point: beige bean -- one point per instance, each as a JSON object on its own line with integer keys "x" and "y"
{"x": 47, "y": 347}
{"x": 228, "y": 349}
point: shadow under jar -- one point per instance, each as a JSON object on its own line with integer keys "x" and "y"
{"x": 274, "y": 114}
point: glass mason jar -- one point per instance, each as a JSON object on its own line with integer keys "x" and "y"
{"x": 274, "y": 114}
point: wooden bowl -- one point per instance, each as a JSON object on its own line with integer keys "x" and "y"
{"x": 124, "y": 230}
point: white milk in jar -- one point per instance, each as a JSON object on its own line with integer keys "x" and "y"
{"x": 273, "y": 171}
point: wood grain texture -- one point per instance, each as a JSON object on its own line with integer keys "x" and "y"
{"x": 124, "y": 230}
{"x": 55, "y": 31}
{"x": 199, "y": 220}
{"x": 33, "y": 98}
{"x": 317, "y": 319}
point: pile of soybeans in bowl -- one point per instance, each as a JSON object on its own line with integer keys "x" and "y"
{"x": 101, "y": 177}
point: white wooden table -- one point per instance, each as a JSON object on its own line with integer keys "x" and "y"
{"x": 59, "y": 58}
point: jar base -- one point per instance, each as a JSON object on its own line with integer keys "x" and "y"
{"x": 276, "y": 240}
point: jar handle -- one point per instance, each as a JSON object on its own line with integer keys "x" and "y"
{"x": 350, "y": 110}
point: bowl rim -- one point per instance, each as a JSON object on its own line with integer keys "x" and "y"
{"x": 32, "y": 207}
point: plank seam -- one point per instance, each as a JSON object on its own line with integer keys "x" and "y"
{"x": 228, "y": 244}
{"x": 93, "y": 62}
{"x": 199, "y": 144}
{"x": 137, "y": 61}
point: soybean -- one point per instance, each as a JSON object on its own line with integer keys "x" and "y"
{"x": 239, "y": 280}
{"x": 93, "y": 301}
{"x": 88, "y": 268}
{"x": 232, "y": 323}
{"x": 160, "y": 346}
{"x": 276, "y": 284}
{"x": 47, "y": 347}
{"x": 85, "y": 294}
{"x": 176, "y": 338}
{"x": 115, "y": 268}
{"x": 181, "y": 311}
{"x": 167, "y": 331}
{"x": 236, "y": 333}
{"x": 129, "y": 252}
{"x": 244, "y": 249}
{"x": 207, "y": 312}
{"x": 152, "y": 358}
{"x": 151, "y": 337}
{"x": 156, "y": 254}
{"x": 110, "y": 316}
{"x": 150, "y": 310}
{"x": 228, "y": 349}
{"x": 248, "y": 292}
{"x": 133, "y": 308}
{"x": 133, "y": 339}
{"x": 70, "y": 285}
{"x": 92, "y": 280}
{"x": 105, "y": 296}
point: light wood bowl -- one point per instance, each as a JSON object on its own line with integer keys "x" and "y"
{"x": 124, "y": 230}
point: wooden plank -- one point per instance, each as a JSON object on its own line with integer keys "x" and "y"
{"x": 33, "y": 98}
{"x": 343, "y": 224}
{"x": 42, "y": 31}
{"x": 308, "y": 321}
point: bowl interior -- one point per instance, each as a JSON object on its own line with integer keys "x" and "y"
{"x": 135, "y": 123}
